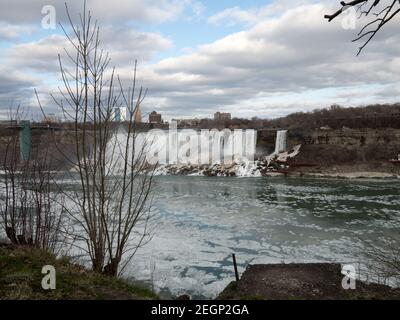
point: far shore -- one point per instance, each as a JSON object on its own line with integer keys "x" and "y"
{"x": 298, "y": 174}
{"x": 356, "y": 170}
{"x": 356, "y": 175}
{"x": 339, "y": 175}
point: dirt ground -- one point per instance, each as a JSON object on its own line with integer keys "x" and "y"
{"x": 317, "y": 281}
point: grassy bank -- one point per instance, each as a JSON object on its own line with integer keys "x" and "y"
{"x": 21, "y": 277}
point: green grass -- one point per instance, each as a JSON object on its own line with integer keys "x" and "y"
{"x": 20, "y": 278}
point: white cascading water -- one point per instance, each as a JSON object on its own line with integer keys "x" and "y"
{"x": 166, "y": 147}
{"x": 281, "y": 141}
{"x": 190, "y": 147}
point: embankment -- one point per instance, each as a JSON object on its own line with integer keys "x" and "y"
{"x": 308, "y": 281}
{"x": 346, "y": 153}
{"x": 20, "y": 278}
{"x": 337, "y": 153}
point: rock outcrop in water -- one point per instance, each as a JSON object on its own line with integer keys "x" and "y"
{"x": 269, "y": 165}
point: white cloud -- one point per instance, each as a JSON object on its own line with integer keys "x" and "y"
{"x": 125, "y": 45}
{"x": 198, "y": 8}
{"x": 10, "y": 31}
{"x": 290, "y": 59}
{"x": 234, "y": 15}
{"x": 297, "y": 55}
{"x": 121, "y": 11}
{"x": 15, "y": 88}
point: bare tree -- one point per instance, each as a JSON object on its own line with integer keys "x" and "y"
{"x": 28, "y": 214}
{"x": 381, "y": 11}
{"x": 384, "y": 261}
{"x": 109, "y": 201}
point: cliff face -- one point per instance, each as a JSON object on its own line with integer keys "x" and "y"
{"x": 328, "y": 147}
{"x": 49, "y": 149}
{"x": 321, "y": 147}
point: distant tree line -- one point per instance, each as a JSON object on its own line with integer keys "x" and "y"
{"x": 337, "y": 117}
{"x": 334, "y": 117}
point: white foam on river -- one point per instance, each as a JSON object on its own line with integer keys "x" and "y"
{"x": 203, "y": 220}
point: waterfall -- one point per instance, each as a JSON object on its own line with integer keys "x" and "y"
{"x": 188, "y": 147}
{"x": 281, "y": 139}
{"x": 204, "y": 152}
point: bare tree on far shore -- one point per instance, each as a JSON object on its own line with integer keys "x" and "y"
{"x": 109, "y": 201}
{"x": 380, "y": 11}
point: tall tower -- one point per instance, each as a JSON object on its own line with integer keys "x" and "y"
{"x": 117, "y": 115}
{"x": 25, "y": 140}
{"x": 137, "y": 115}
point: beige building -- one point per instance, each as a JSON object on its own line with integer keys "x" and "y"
{"x": 137, "y": 116}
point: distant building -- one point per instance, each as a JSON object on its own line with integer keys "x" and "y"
{"x": 120, "y": 114}
{"x": 155, "y": 118}
{"x": 137, "y": 115}
{"x": 221, "y": 116}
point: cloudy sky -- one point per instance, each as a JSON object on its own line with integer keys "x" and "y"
{"x": 196, "y": 57}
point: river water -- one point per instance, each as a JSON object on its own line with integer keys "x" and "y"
{"x": 201, "y": 221}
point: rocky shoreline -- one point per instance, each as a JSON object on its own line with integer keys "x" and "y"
{"x": 274, "y": 164}
{"x": 354, "y": 175}
{"x": 355, "y": 170}
{"x": 287, "y": 164}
